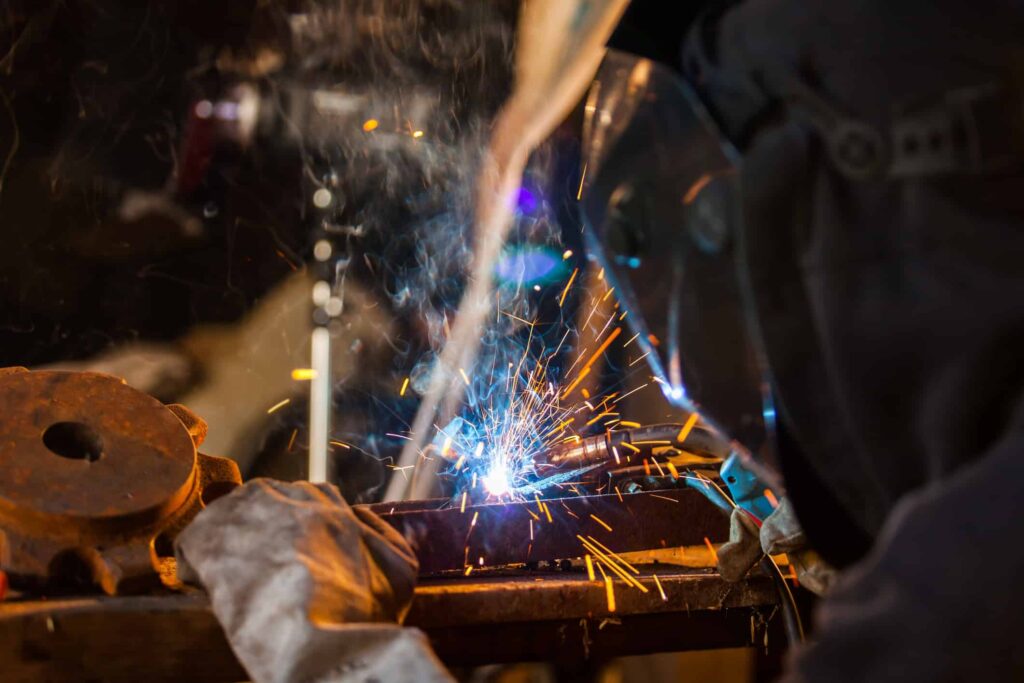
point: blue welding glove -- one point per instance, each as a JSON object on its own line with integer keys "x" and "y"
{"x": 306, "y": 587}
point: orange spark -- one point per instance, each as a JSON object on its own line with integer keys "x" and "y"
{"x": 687, "y": 427}
{"x": 671, "y": 500}
{"x": 593, "y": 358}
{"x": 714, "y": 553}
{"x": 565, "y": 292}
{"x": 695, "y": 189}
{"x": 661, "y": 472}
{"x": 610, "y": 592}
{"x": 278, "y": 406}
{"x": 600, "y": 521}
{"x": 661, "y": 590}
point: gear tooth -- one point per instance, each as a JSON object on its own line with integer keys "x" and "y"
{"x": 195, "y": 425}
{"x": 105, "y": 375}
{"x": 127, "y": 568}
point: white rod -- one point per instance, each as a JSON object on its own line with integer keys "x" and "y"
{"x": 319, "y": 404}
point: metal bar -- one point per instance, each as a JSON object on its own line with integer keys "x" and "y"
{"x": 499, "y": 618}
{"x": 447, "y": 538}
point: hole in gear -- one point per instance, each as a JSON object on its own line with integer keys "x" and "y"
{"x": 73, "y": 440}
{"x": 216, "y": 489}
{"x": 163, "y": 545}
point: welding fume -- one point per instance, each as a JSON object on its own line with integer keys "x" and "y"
{"x": 517, "y": 340}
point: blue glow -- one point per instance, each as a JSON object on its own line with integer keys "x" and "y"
{"x": 547, "y": 482}
{"x": 529, "y": 264}
{"x": 527, "y": 201}
{"x": 674, "y": 393}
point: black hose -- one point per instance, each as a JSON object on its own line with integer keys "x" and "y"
{"x": 699, "y": 439}
{"x": 790, "y": 613}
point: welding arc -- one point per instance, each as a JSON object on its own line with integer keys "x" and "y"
{"x": 559, "y": 49}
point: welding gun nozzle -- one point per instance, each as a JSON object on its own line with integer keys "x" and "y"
{"x": 601, "y": 449}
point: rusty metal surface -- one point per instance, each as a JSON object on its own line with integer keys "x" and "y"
{"x": 448, "y": 538}
{"x": 545, "y": 596}
{"x": 98, "y": 477}
{"x": 470, "y": 621}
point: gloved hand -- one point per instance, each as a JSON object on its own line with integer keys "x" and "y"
{"x": 780, "y": 533}
{"x": 306, "y": 587}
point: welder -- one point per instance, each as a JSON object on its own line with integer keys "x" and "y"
{"x": 877, "y": 258}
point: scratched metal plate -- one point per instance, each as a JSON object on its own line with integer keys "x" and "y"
{"x": 447, "y": 538}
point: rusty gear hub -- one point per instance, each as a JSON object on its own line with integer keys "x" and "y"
{"x": 97, "y": 479}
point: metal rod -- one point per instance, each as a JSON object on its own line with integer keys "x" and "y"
{"x": 319, "y": 404}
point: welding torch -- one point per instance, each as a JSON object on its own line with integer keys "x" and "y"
{"x": 623, "y": 449}
{"x": 620, "y": 453}
{"x": 612, "y": 453}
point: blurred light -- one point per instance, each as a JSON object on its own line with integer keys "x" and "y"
{"x": 527, "y": 201}
{"x": 417, "y": 133}
{"x": 321, "y": 293}
{"x": 370, "y": 124}
{"x": 566, "y": 254}
{"x": 322, "y": 249}
{"x": 204, "y": 109}
{"x": 303, "y": 374}
{"x": 529, "y": 264}
{"x": 226, "y": 111}
{"x": 334, "y": 306}
{"x": 322, "y": 198}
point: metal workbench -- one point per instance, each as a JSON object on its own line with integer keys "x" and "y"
{"x": 490, "y": 617}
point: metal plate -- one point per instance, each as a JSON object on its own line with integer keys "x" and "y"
{"x": 447, "y": 538}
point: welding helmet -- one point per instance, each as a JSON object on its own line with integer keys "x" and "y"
{"x": 659, "y": 200}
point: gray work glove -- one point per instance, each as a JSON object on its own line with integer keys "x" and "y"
{"x": 780, "y": 533}
{"x": 306, "y": 587}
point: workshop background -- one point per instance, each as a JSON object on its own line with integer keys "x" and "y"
{"x": 141, "y": 241}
